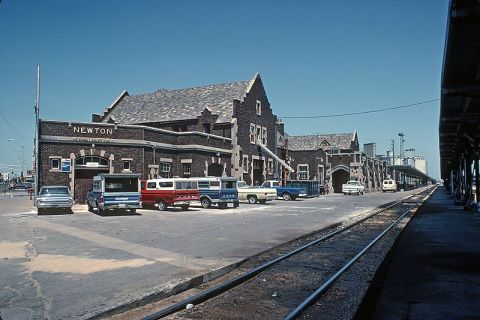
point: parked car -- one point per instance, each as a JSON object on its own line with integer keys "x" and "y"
{"x": 53, "y": 197}
{"x": 165, "y": 192}
{"x": 389, "y": 185}
{"x": 218, "y": 190}
{"x": 115, "y": 191}
{"x": 287, "y": 193}
{"x": 353, "y": 187}
{"x": 254, "y": 194}
{"x": 22, "y": 186}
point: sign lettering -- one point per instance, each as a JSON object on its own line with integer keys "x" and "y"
{"x": 92, "y": 130}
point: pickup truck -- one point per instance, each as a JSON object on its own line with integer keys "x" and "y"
{"x": 287, "y": 193}
{"x": 254, "y": 194}
{"x": 352, "y": 186}
{"x": 115, "y": 191}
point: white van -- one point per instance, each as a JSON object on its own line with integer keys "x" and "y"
{"x": 389, "y": 185}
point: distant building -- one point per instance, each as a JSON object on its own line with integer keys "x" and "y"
{"x": 333, "y": 159}
{"x": 370, "y": 149}
{"x": 419, "y": 163}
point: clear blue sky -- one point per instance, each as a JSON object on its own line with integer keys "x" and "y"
{"x": 315, "y": 58}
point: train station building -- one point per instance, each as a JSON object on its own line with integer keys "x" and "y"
{"x": 217, "y": 130}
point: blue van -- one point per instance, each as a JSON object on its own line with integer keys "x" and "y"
{"x": 218, "y": 190}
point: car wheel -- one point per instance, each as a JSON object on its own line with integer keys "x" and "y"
{"x": 100, "y": 210}
{"x": 286, "y": 196}
{"x": 252, "y": 199}
{"x": 206, "y": 203}
{"x": 161, "y": 206}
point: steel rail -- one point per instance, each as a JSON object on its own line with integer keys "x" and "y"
{"x": 327, "y": 284}
{"x": 232, "y": 283}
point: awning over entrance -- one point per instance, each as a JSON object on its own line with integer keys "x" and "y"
{"x": 273, "y": 155}
{"x": 412, "y": 172}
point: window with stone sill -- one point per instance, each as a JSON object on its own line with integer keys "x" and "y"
{"x": 264, "y": 136}
{"x": 258, "y": 134}
{"x": 245, "y": 164}
{"x": 258, "y": 107}
{"x": 270, "y": 166}
{"x": 55, "y": 164}
{"x": 187, "y": 168}
{"x": 165, "y": 168}
{"x": 252, "y": 133}
{"x": 302, "y": 172}
{"x": 126, "y": 165}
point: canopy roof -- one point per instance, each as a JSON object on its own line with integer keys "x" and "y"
{"x": 460, "y": 97}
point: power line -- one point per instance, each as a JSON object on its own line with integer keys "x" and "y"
{"x": 361, "y": 112}
{"x": 11, "y": 127}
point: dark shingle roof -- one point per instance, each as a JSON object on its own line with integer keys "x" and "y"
{"x": 324, "y": 141}
{"x": 171, "y": 105}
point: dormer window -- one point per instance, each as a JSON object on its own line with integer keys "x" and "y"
{"x": 258, "y": 107}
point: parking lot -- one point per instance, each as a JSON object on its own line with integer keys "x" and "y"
{"x": 77, "y": 265}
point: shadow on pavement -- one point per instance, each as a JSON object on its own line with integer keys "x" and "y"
{"x": 54, "y": 211}
{"x": 115, "y": 213}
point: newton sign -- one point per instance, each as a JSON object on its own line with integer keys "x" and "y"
{"x": 92, "y": 130}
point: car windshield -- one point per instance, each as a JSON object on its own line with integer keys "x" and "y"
{"x": 54, "y": 190}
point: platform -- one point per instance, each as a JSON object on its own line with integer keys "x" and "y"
{"x": 434, "y": 272}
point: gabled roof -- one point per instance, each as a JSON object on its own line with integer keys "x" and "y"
{"x": 324, "y": 141}
{"x": 183, "y": 104}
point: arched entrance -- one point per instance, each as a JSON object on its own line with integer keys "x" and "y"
{"x": 340, "y": 175}
{"x": 85, "y": 169}
{"x": 215, "y": 170}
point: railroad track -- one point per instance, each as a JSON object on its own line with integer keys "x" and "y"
{"x": 287, "y": 286}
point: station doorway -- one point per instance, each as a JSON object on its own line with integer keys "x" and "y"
{"x": 258, "y": 170}
{"x": 339, "y": 177}
{"x": 85, "y": 169}
{"x": 215, "y": 170}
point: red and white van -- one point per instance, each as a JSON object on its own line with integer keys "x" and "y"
{"x": 166, "y": 192}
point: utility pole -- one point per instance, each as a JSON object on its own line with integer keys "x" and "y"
{"x": 402, "y": 151}
{"x": 402, "y": 155}
{"x": 37, "y": 135}
{"x": 393, "y": 160}
{"x": 393, "y": 152}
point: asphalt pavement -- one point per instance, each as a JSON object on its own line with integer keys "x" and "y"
{"x": 75, "y": 266}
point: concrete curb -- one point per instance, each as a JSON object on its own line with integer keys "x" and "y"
{"x": 165, "y": 292}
